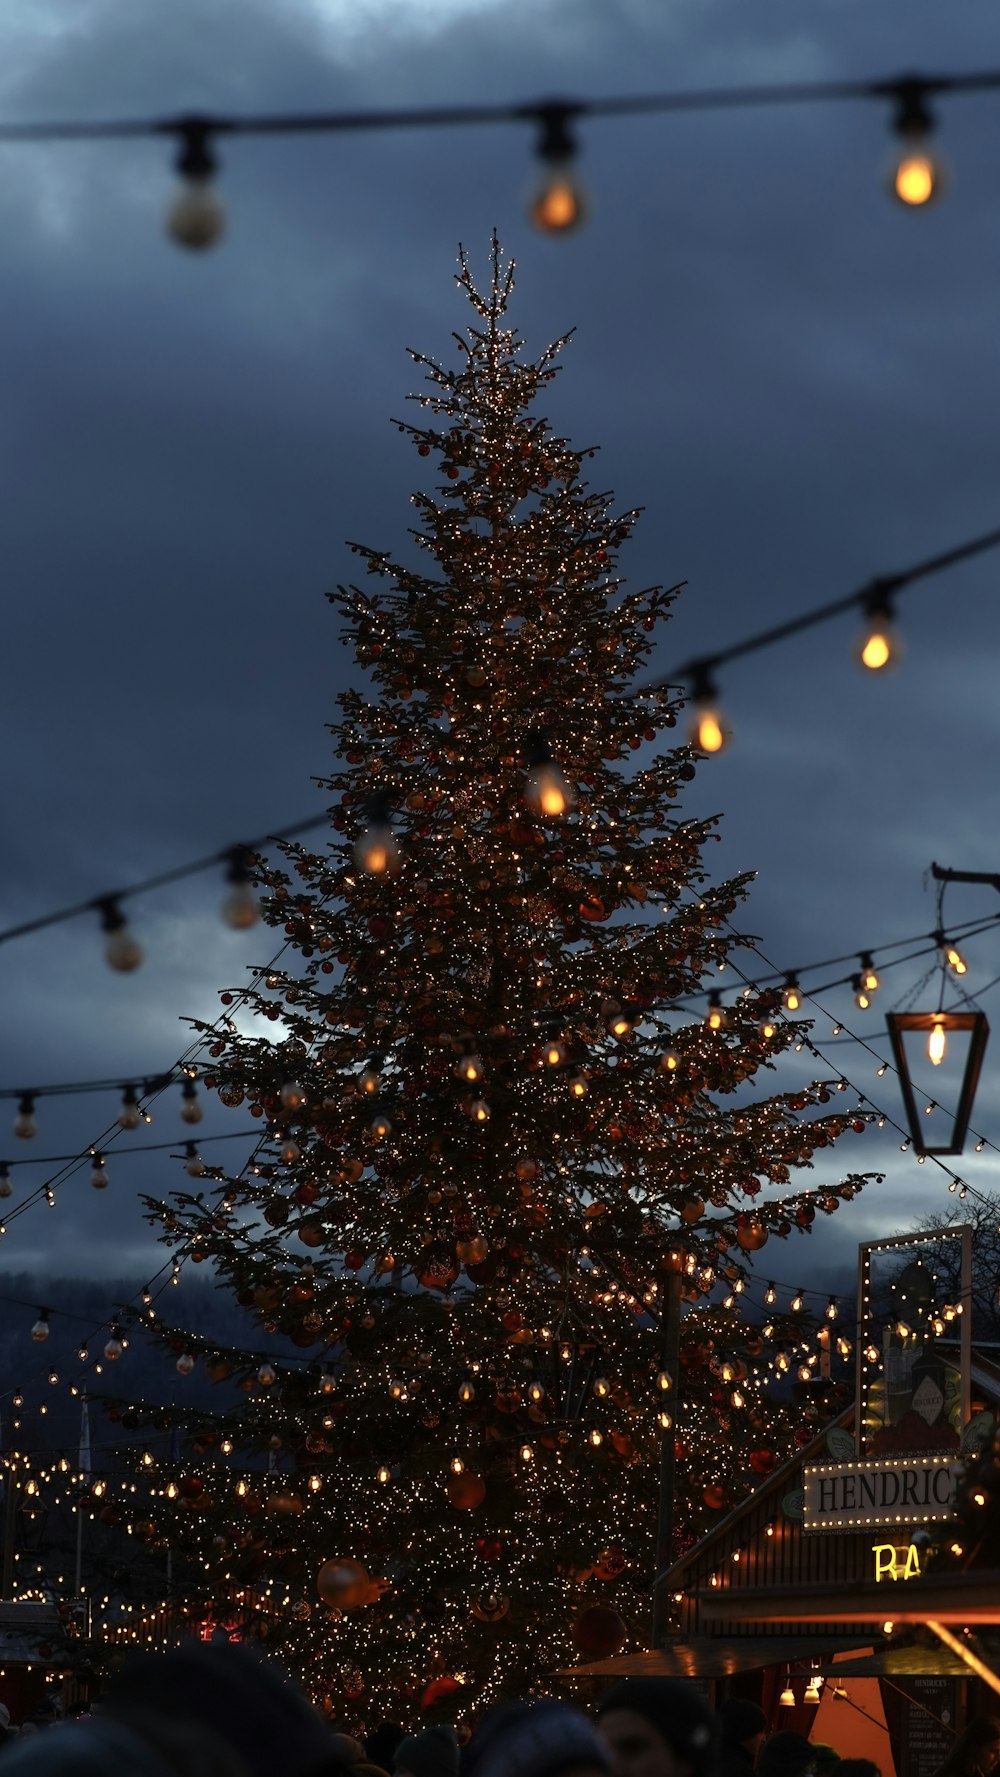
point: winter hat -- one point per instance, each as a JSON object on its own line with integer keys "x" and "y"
{"x": 676, "y": 1710}
{"x": 533, "y": 1740}
{"x": 740, "y": 1719}
{"x": 434, "y": 1753}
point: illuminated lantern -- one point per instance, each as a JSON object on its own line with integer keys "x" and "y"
{"x": 936, "y": 1028}
{"x": 598, "y": 1632}
{"x": 466, "y": 1491}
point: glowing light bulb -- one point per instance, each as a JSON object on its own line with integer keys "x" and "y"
{"x": 547, "y": 791}
{"x": 861, "y": 997}
{"x": 670, "y": 1061}
{"x": 715, "y": 1017}
{"x": 554, "y": 1053}
{"x": 953, "y": 956}
{"x": 787, "y": 1698}
{"x": 479, "y": 1110}
{"x": 792, "y": 994}
{"x": 869, "y": 974}
{"x": 578, "y": 1085}
{"x": 879, "y": 645}
{"x": 376, "y": 850}
{"x": 936, "y": 1044}
{"x": 466, "y": 1393}
{"x": 918, "y": 177}
{"x": 380, "y": 1126}
{"x": 370, "y": 1079}
{"x": 796, "y": 1302}
{"x": 558, "y": 203}
{"x": 469, "y": 1066}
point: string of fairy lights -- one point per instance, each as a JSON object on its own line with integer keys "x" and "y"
{"x": 546, "y": 787}
{"x": 196, "y": 217}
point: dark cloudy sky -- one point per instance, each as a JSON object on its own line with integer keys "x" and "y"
{"x": 797, "y": 380}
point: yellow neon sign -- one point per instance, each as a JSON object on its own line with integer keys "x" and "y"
{"x": 892, "y": 1563}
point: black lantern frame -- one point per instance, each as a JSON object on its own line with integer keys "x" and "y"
{"x": 973, "y": 1022}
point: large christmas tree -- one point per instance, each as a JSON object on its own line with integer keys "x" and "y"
{"x": 496, "y": 1121}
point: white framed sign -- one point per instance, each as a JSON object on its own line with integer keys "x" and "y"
{"x": 896, "y": 1490}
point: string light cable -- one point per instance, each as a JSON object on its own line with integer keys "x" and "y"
{"x": 866, "y": 1106}
{"x": 196, "y": 218}
{"x": 875, "y": 600}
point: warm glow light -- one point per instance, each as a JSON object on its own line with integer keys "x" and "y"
{"x": 708, "y": 733}
{"x": 559, "y": 205}
{"x": 936, "y": 1044}
{"x": 916, "y": 180}
{"x": 877, "y": 651}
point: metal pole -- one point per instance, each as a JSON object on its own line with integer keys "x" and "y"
{"x": 9, "y": 1504}
{"x": 670, "y": 1326}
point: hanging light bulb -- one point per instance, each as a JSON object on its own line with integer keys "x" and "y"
{"x": 916, "y": 175}
{"x": 267, "y": 1375}
{"x": 40, "y": 1331}
{"x": 191, "y": 1111}
{"x": 670, "y": 1061}
{"x": 194, "y": 1165}
{"x": 240, "y": 909}
{"x": 115, "y": 1345}
{"x": 196, "y": 217}
{"x": 937, "y": 1042}
{"x": 787, "y": 1698}
{"x": 121, "y": 949}
{"x": 536, "y": 1392}
{"x": 26, "y": 1123}
{"x": 469, "y": 1066}
{"x": 554, "y": 1050}
{"x": 559, "y": 203}
{"x": 715, "y": 1017}
{"x": 479, "y": 1111}
{"x": 185, "y": 1363}
{"x": 130, "y": 1116}
{"x": 98, "y": 1174}
{"x": 466, "y": 1393}
{"x": 601, "y": 1387}
{"x": 376, "y": 851}
{"x": 6, "y": 1188}
{"x": 770, "y": 1295}
{"x": 380, "y": 1126}
{"x": 811, "y": 1692}
{"x": 792, "y": 993}
{"x": 869, "y": 974}
{"x": 950, "y": 954}
{"x": 622, "y": 1022}
{"x": 879, "y": 646}
{"x": 708, "y": 729}
{"x": 767, "y": 1028}
{"x": 370, "y": 1077}
{"x": 861, "y": 997}
{"x": 547, "y": 792}
{"x": 796, "y": 1302}
{"x": 577, "y": 1084}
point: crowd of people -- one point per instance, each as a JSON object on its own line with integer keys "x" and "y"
{"x": 224, "y": 1711}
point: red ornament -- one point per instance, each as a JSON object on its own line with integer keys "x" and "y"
{"x": 762, "y": 1461}
{"x": 466, "y": 1491}
{"x": 598, "y": 1632}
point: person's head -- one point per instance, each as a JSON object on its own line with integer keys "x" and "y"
{"x": 434, "y": 1753}
{"x": 657, "y": 1727}
{"x": 228, "y": 1693}
{"x": 540, "y": 1739}
{"x": 786, "y": 1754}
{"x": 827, "y": 1760}
{"x": 977, "y": 1751}
{"x": 743, "y": 1723}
